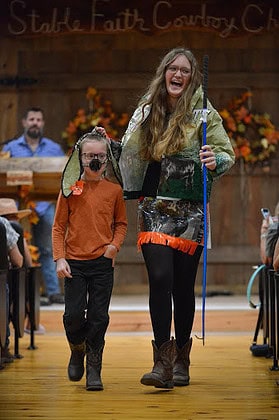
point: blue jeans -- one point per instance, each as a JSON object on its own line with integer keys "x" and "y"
{"x": 87, "y": 299}
{"x": 42, "y": 232}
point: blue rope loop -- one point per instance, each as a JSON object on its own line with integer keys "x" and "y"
{"x": 250, "y": 284}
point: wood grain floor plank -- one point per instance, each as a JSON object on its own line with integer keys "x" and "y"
{"x": 227, "y": 382}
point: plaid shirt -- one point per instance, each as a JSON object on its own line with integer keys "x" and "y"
{"x": 11, "y": 234}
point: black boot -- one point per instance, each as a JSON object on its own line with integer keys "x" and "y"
{"x": 93, "y": 368}
{"x": 181, "y": 366}
{"x": 161, "y": 375}
{"x": 6, "y": 355}
{"x": 76, "y": 363}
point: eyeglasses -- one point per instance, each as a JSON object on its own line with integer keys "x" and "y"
{"x": 102, "y": 157}
{"x": 183, "y": 70}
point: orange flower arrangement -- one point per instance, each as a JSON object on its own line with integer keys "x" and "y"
{"x": 23, "y": 193}
{"x": 254, "y": 137}
{"x": 34, "y": 250}
{"x": 100, "y": 113}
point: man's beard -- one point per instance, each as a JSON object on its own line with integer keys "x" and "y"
{"x": 34, "y": 132}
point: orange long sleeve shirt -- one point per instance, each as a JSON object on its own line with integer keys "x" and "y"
{"x": 85, "y": 224}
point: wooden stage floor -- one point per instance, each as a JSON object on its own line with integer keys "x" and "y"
{"x": 129, "y": 313}
{"x": 227, "y": 382}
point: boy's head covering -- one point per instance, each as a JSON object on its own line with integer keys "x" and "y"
{"x": 73, "y": 169}
{"x": 8, "y": 206}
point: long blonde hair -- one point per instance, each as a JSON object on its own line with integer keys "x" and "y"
{"x": 161, "y": 136}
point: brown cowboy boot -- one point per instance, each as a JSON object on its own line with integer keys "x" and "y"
{"x": 93, "y": 368}
{"x": 161, "y": 375}
{"x": 76, "y": 363}
{"x": 181, "y": 366}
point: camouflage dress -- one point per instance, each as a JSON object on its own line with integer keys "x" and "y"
{"x": 174, "y": 217}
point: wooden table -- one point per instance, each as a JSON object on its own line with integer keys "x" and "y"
{"x": 46, "y": 174}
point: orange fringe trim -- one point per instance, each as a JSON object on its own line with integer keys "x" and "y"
{"x": 184, "y": 245}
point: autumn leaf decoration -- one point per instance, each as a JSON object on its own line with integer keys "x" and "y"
{"x": 98, "y": 112}
{"x": 254, "y": 137}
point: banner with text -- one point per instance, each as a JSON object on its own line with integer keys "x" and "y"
{"x": 25, "y": 18}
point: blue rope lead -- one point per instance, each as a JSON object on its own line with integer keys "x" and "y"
{"x": 204, "y": 127}
{"x": 205, "y": 248}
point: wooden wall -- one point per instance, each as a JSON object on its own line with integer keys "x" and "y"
{"x": 120, "y": 66}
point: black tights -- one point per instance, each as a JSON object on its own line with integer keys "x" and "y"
{"x": 172, "y": 275}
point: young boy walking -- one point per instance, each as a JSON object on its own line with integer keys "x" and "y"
{"x": 89, "y": 228}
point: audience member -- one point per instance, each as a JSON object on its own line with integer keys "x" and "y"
{"x": 276, "y": 255}
{"x": 32, "y": 143}
{"x": 269, "y": 238}
{"x": 15, "y": 260}
{"x": 9, "y": 210}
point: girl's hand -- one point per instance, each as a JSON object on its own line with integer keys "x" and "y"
{"x": 265, "y": 226}
{"x": 102, "y": 131}
{"x": 63, "y": 269}
{"x": 207, "y": 157}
